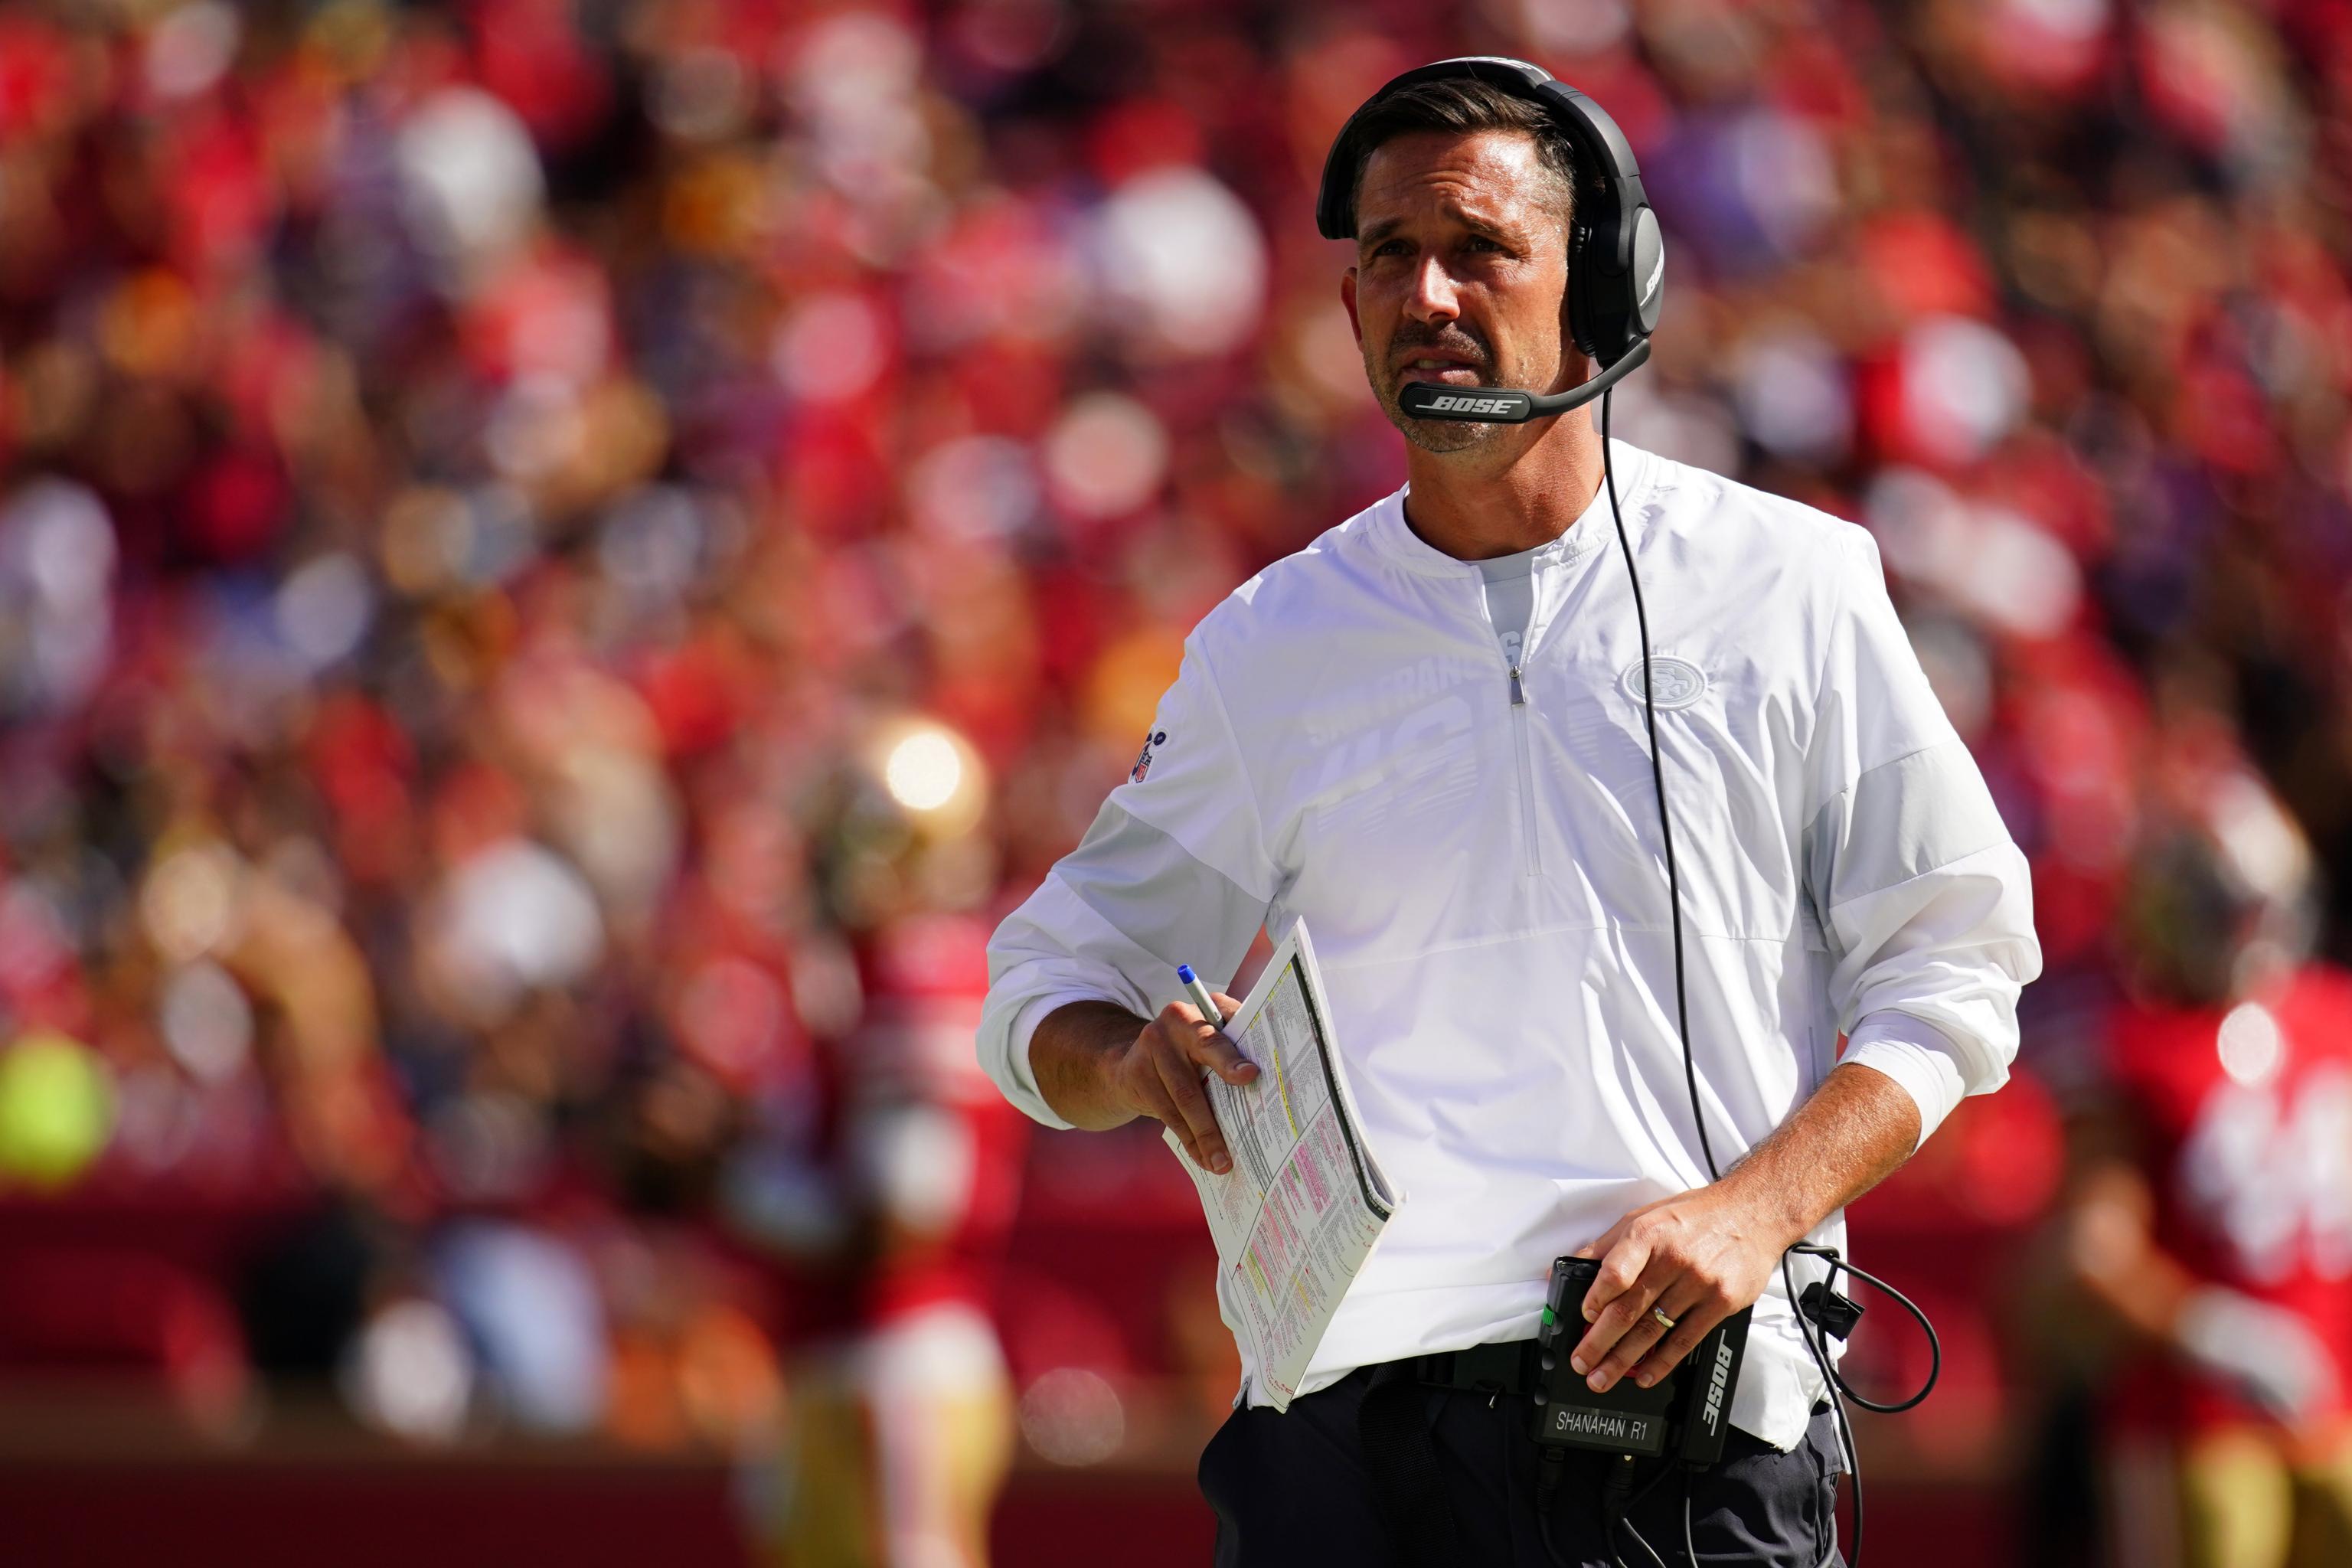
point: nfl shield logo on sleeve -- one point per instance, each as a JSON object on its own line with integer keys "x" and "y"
{"x": 1143, "y": 758}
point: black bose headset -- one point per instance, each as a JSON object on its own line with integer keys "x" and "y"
{"x": 1616, "y": 257}
{"x": 1616, "y": 284}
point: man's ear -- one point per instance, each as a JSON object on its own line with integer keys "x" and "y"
{"x": 1347, "y": 297}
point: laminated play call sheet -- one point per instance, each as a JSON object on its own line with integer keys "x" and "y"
{"x": 1303, "y": 1205}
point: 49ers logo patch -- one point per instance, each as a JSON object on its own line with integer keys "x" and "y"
{"x": 1680, "y": 682}
{"x": 1143, "y": 758}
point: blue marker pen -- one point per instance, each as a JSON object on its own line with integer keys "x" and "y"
{"x": 1200, "y": 995}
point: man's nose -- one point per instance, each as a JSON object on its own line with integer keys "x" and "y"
{"x": 1433, "y": 298}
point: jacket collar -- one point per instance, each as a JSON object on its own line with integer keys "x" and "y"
{"x": 1394, "y": 539}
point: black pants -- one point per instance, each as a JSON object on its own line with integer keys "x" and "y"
{"x": 1291, "y": 1488}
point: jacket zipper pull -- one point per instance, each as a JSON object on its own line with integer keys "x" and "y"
{"x": 1518, "y": 697}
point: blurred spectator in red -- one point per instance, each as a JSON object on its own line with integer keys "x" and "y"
{"x": 894, "y": 1218}
{"x": 2211, "y": 1213}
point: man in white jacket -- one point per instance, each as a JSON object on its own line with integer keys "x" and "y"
{"x": 1424, "y": 735}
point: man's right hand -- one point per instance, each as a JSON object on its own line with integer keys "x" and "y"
{"x": 1159, "y": 1075}
{"x": 1101, "y": 1065}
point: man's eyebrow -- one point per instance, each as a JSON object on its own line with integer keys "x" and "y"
{"x": 1373, "y": 234}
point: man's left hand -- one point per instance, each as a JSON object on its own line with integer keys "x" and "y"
{"x": 1698, "y": 1257}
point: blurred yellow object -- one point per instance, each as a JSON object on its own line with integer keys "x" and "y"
{"x": 933, "y": 774}
{"x": 728, "y": 1379}
{"x": 148, "y": 325}
{"x": 345, "y": 41}
{"x": 710, "y": 1381}
{"x": 924, "y": 771}
{"x": 56, "y": 1108}
{"x": 895, "y": 1445}
{"x": 2237, "y": 1497}
{"x": 1123, "y": 689}
{"x": 718, "y": 206}
{"x": 642, "y": 1410}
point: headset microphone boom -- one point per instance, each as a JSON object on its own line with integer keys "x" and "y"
{"x": 1503, "y": 406}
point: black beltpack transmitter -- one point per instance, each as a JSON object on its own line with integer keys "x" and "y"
{"x": 1686, "y": 1413}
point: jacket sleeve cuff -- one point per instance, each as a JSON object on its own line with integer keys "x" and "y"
{"x": 1022, "y": 1090}
{"x": 1914, "y": 1054}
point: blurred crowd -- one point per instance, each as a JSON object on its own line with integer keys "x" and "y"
{"x": 562, "y": 561}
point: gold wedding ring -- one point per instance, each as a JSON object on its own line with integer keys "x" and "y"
{"x": 1663, "y": 1322}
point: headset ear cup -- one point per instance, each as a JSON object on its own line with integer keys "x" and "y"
{"x": 1646, "y": 274}
{"x": 1580, "y": 291}
{"x": 1598, "y": 296}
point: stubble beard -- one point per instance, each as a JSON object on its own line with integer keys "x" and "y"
{"x": 1439, "y": 436}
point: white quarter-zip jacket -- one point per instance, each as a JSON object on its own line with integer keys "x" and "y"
{"x": 1475, "y": 842}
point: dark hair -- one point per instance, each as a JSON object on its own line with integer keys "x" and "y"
{"x": 1464, "y": 104}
